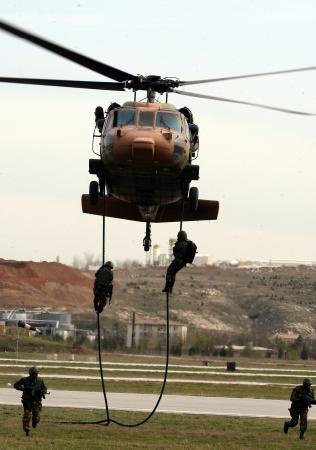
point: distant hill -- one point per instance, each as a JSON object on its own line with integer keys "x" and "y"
{"x": 225, "y": 299}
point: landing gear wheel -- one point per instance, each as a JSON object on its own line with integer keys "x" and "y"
{"x": 93, "y": 192}
{"x": 194, "y": 198}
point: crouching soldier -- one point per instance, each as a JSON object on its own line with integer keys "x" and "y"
{"x": 34, "y": 390}
{"x": 103, "y": 287}
{"x": 184, "y": 252}
{"x": 302, "y": 398}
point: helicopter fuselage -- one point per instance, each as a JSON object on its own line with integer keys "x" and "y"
{"x": 145, "y": 147}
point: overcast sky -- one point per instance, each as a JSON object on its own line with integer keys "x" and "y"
{"x": 259, "y": 164}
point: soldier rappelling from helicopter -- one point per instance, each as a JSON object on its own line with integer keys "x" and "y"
{"x": 183, "y": 252}
{"x": 103, "y": 287}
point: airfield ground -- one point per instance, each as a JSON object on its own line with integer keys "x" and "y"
{"x": 271, "y": 379}
{"x": 164, "y": 431}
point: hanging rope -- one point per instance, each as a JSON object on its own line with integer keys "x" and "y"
{"x": 108, "y": 419}
{"x": 182, "y": 214}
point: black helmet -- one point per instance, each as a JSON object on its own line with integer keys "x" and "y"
{"x": 182, "y": 236}
{"x": 109, "y": 264}
{"x": 33, "y": 370}
{"x": 307, "y": 382}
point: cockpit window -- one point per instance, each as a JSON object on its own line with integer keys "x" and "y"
{"x": 124, "y": 117}
{"x": 109, "y": 121}
{"x": 146, "y": 118}
{"x": 168, "y": 120}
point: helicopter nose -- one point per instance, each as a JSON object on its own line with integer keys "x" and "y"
{"x": 143, "y": 149}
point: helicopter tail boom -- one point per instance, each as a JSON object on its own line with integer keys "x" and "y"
{"x": 207, "y": 210}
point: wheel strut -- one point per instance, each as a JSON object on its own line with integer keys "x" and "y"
{"x": 147, "y": 238}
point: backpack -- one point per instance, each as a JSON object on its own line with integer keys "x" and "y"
{"x": 190, "y": 253}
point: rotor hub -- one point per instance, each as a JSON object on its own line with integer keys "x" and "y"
{"x": 152, "y": 82}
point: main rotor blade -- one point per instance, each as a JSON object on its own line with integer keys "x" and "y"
{"x": 107, "y": 86}
{"x": 263, "y": 74}
{"x": 89, "y": 63}
{"x": 258, "y": 105}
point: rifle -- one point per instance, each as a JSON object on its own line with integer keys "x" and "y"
{"x": 310, "y": 400}
{"x": 44, "y": 393}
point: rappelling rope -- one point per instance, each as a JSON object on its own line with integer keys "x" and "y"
{"x": 108, "y": 420}
{"x": 182, "y": 214}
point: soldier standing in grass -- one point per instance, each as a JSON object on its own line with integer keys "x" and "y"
{"x": 34, "y": 390}
{"x": 302, "y": 398}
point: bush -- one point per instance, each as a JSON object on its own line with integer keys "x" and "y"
{"x": 248, "y": 351}
{"x": 304, "y": 352}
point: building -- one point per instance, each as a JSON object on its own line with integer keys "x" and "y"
{"x": 172, "y": 241}
{"x": 156, "y": 258}
{"x": 156, "y": 255}
{"x": 201, "y": 260}
{"x": 163, "y": 260}
{"x": 50, "y": 323}
{"x": 148, "y": 328}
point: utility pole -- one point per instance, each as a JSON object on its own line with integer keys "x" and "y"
{"x": 133, "y": 330}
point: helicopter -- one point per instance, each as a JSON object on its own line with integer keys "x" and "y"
{"x": 146, "y": 148}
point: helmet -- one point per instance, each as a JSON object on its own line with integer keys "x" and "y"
{"x": 33, "y": 370}
{"x": 307, "y": 382}
{"x": 182, "y": 236}
{"x": 109, "y": 264}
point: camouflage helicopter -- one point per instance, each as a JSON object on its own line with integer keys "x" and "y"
{"x": 146, "y": 148}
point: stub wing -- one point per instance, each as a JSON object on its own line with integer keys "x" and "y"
{"x": 113, "y": 207}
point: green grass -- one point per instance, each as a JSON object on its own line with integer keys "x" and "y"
{"x": 148, "y": 387}
{"x": 283, "y": 378}
{"x": 163, "y": 431}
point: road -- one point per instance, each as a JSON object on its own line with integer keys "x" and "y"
{"x": 181, "y": 404}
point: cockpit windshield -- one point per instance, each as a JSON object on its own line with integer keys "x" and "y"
{"x": 146, "y": 118}
{"x": 122, "y": 117}
{"x": 168, "y": 120}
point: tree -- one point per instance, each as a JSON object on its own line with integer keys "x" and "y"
{"x": 281, "y": 348}
{"x": 230, "y": 350}
{"x": 201, "y": 344}
{"x": 248, "y": 350}
{"x": 304, "y": 352}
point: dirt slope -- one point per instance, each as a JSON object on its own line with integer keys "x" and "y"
{"x": 228, "y": 299}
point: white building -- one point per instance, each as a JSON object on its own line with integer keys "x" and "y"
{"x": 201, "y": 260}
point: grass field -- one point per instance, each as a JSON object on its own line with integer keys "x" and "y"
{"x": 211, "y": 390}
{"x": 280, "y": 376}
{"x": 163, "y": 431}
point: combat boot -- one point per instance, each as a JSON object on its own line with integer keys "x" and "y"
{"x": 286, "y": 427}
{"x": 302, "y": 434}
{"x": 99, "y": 303}
{"x": 27, "y": 432}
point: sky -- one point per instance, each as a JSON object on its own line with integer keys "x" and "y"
{"x": 259, "y": 164}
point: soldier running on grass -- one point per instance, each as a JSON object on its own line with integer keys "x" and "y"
{"x": 34, "y": 390}
{"x": 302, "y": 398}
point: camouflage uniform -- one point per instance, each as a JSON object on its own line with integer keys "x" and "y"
{"x": 33, "y": 389}
{"x": 103, "y": 287}
{"x": 179, "y": 251}
{"x": 302, "y": 398}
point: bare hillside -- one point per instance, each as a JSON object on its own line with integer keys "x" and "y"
{"x": 231, "y": 299}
